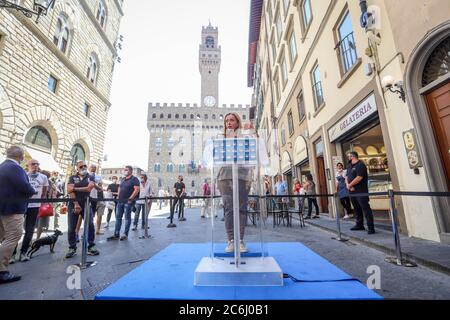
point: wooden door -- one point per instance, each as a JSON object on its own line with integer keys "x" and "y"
{"x": 439, "y": 109}
{"x": 321, "y": 183}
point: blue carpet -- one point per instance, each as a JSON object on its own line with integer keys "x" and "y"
{"x": 169, "y": 275}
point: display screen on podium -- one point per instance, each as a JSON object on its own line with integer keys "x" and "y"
{"x": 242, "y": 151}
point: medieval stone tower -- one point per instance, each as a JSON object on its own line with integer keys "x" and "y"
{"x": 209, "y": 66}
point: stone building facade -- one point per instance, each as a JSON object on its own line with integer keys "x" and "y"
{"x": 179, "y": 131}
{"x": 324, "y": 84}
{"x": 108, "y": 172}
{"x": 55, "y": 80}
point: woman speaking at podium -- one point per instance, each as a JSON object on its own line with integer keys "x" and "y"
{"x": 233, "y": 129}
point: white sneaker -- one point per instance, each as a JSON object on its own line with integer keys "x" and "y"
{"x": 230, "y": 247}
{"x": 242, "y": 247}
{"x": 23, "y": 258}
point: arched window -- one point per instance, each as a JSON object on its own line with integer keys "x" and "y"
{"x": 244, "y": 117}
{"x": 161, "y": 116}
{"x": 157, "y": 167}
{"x": 193, "y": 183}
{"x": 101, "y": 13}
{"x": 192, "y": 116}
{"x": 206, "y": 117}
{"x": 184, "y": 116}
{"x": 170, "y": 167}
{"x": 77, "y": 153}
{"x": 92, "y": 68}
{"x": 154, "y": 116}
{"x": 39, "y": 136}
{"x": 62, "y": 34}
{"x": 438, "y": 65}
{"x": 214, "y": 117}
{"x": 182, "y": 168}
{"x": 177, "y": 116}
{"x": 169, "y": 116}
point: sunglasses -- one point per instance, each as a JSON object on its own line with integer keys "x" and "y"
{"x": 34, "y": 164}
{"x": 82, "y": 167}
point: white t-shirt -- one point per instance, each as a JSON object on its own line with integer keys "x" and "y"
{"x": 94, "y": 192}
{"x": 38, "y": 181}
{"x": 144, "y": 191}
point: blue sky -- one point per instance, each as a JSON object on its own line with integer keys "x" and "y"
{"x": 160, "y": 64}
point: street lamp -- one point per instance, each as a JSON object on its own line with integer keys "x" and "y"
{"x": 40, "y": 7}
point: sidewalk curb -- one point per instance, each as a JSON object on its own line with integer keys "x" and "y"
{"x": 420, "y": 261}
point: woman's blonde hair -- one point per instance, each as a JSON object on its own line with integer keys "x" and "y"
{"x": 225, "y": 122}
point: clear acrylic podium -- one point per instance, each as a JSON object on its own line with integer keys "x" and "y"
{"x": 237, "y": 159}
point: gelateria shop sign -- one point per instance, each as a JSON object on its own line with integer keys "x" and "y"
{"x": 358, "y": 115}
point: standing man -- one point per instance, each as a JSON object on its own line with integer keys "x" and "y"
{"x": 357, "y": 182}
{"x": 179, "y": 190}
{"x": 40, "y": 183}
{"x": 14, "y": 184}
{"x": 206, "y": 208}
{"x": 128, "y": 191}
{"x": 281, "y": 189}
{"x": 145, "y": 190}
{"x": 114, "y": 189}
{"x": 95, "y": 192}
{"x": 161, "y": 194}
{"x": 79, "y": 187}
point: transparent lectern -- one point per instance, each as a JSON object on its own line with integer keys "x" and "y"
{"x": 235, "y": 184}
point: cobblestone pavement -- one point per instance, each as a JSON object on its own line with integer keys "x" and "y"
{"x": 45, "y": 277}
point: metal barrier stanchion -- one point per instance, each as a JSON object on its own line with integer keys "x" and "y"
{"x": 181, "y": 208}
{"x": 171, "y": 208}
{"x": 398, "y": 259}
{"x": 146, "y": 214}
{"x": 87, "y": 215}
{"x": 338, "y": 220}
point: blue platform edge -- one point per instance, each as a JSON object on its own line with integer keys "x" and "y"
{"x": 169, "y": 275}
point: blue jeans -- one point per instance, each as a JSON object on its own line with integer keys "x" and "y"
{"x": 121, "y": 209}
{"x": 140, "y": 207}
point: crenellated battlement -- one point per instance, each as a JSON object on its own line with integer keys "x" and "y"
{"x": 196, "y": 105}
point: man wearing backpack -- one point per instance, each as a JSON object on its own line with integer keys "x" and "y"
{"x": 207, "y": 201}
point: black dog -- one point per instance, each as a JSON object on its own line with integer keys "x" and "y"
{"x": 47, "y": 241}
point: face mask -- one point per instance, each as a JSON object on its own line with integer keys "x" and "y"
{"x": 83, "y": 172}
{"x": 125, "y": 173}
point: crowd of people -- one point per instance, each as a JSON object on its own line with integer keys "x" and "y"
{"x": 349, "y": 181}
{"x": 22, "y": 193}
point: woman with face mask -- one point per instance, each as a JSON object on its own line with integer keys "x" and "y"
{"x": 341, "y": 189}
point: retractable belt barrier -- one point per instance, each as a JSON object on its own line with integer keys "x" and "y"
{"x": 391, "y": 194}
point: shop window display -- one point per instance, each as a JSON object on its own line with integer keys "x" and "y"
{"x": 371, "y": 150}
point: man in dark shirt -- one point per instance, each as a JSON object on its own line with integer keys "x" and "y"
{"x": 128, "y": 192}
{"x": 357, "y": 182}
{"x": 179, "y": 190}
{"x": 114, "y": 189}
{"x": 79, "y": 187}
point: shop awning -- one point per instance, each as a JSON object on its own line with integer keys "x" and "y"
{"x": 45, "y": 159}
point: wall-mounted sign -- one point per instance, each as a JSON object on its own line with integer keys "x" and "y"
{"x": 362, "y": 111}
{"x": 412, "y": 152}
{"x": 300, "y": 150}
